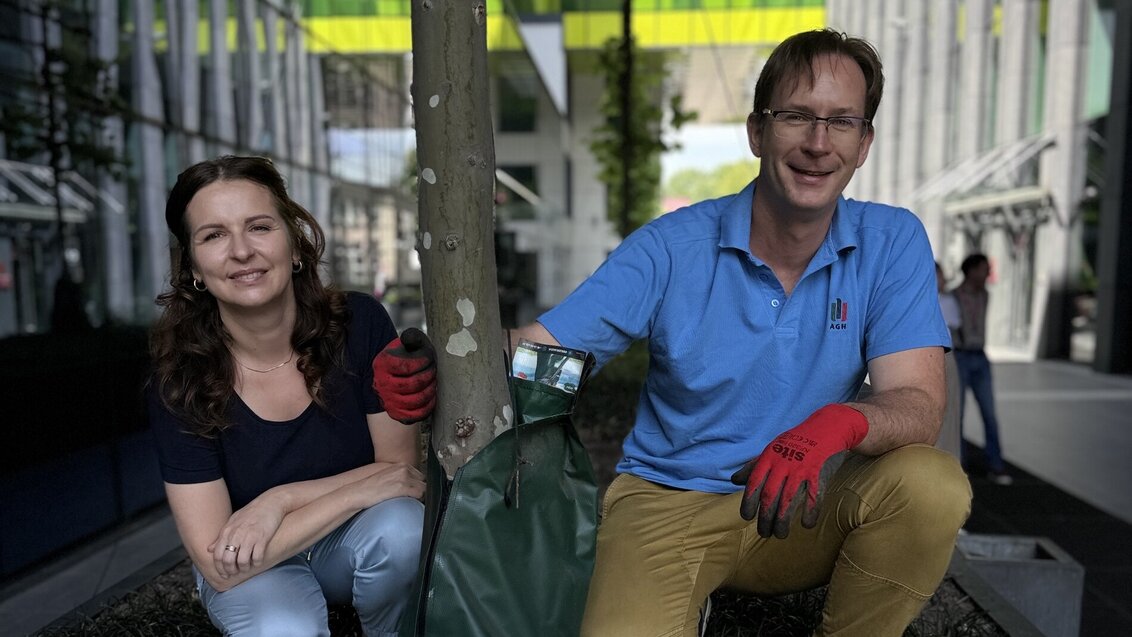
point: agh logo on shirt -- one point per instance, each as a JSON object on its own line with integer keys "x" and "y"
{"x": 838, "y": 315}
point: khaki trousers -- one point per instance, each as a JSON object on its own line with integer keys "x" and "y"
{"x": 883, "y": 542}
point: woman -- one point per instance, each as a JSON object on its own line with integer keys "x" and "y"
{"x": 288, "y": 485}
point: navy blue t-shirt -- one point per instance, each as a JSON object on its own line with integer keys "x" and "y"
{"x": 254, "y": 455}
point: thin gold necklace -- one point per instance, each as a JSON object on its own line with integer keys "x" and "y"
{"x": 264, "y": 371}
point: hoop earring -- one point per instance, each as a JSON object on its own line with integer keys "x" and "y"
{"x": 198, "y": 285}
{"x": 296, "y": 267}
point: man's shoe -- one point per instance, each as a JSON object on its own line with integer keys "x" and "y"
{"x": 1001, "y": 478}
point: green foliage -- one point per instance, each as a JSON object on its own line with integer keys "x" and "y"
{"x": 409, "y": 174}
{"x": 698, "y": 185}
{"x": 643, "y": 135}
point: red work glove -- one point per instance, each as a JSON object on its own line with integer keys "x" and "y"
{"x": 791, "y": 463}
{"x": 404, "y": 376}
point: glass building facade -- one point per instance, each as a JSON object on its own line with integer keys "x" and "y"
{"x": 105, "y": 101}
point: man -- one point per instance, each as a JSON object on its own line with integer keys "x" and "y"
{"x": 974, "y": 367}
{"x": 763, "y": 312}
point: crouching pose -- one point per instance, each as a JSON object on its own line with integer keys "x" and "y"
{"x": 764, "y": 311}
{"x": 290, "y": 481}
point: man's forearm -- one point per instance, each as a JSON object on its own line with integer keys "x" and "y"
{"x": 532, "y": 332}
{"x": 899, "y": 417}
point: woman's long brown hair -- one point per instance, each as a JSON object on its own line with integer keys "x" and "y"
{"x": 194, "y": 372}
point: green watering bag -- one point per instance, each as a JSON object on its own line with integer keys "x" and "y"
{"x": 509, "y": 541}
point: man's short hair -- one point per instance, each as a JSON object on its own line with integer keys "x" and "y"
{"x": 793, "y": 60}
{"x": 973, "y": 261}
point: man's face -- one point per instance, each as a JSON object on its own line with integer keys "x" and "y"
{"x": 804, "y": 171}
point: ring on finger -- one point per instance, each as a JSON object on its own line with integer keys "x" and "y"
{"x": 231, "y": 548}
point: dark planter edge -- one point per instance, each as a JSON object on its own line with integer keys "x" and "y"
{"x": 129, "y": 584}
{"x": 1008, "y": 618}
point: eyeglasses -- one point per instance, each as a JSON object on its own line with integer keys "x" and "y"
{"x": 795, "y": 124}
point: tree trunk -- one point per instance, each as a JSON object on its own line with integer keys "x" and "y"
{"x": 455, "y": 240}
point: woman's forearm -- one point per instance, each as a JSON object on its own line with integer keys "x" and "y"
{"x": 296, "y": 495}
{"x": 299, "y": 529}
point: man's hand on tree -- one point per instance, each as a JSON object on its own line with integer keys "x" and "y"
{"x": 788, "y": 471}
{"x": 404, "y": 376}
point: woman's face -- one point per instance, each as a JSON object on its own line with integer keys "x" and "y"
{"x": 239, "y": 245}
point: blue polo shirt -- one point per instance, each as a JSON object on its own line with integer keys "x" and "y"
{"x": 734, "y": 361}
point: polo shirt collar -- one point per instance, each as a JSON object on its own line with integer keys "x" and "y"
{"x": 843, "y": 230}
{"x": 735, "y": 222}
{"x": 842, "y": 236}
{"x": 735, "y": 226}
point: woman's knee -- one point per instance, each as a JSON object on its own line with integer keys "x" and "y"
{"x": 275, "y": 603}
{"x": 395, "y": 527}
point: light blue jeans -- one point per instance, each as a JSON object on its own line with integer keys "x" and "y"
{"x": 975, "y": 372}
{"x": 370, "y": 562}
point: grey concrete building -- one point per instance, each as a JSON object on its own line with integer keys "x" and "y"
{"x": 994, "y": 134}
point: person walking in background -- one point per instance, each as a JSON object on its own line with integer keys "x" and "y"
{"x": 948, "y": 304}
{"x": 974, "y": 368}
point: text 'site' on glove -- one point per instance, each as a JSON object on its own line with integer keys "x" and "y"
{"x": 404, "y": 377}
{"x": 787, "y": 473}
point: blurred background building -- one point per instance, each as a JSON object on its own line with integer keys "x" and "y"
{"x": 992, "y": 128}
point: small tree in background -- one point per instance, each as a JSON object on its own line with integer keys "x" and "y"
{"x": 640, "y": 133}
{"x": 725, "y": 179}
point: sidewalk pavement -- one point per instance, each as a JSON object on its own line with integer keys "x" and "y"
{"x": 1067, "y": 435}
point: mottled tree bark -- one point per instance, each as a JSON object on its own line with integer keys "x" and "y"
{"x": 455, "y": 240}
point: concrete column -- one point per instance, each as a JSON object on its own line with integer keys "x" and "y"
{"x": 835, "y": 14}
{"x": 184, "y": 75}
{"x": 320, "y": 153}
{"x": 221, "y": 103}
{"x": 939, "y": 111}
{"x": 291, "y": 78}
{"x": 276, "y": 89}
{"x": 886, "y": 144}
{"x": 857, "y": 18}
{"x": 831, "y": 19}
{"x": 868, "y": 177}
{"x": 250, "y": 106}
{"x": 294, "y": 70}
{"x": 853, "y": 18}
{"x": 1058, "y": 258}
{"x": 974, "y": 74}
{"x": 1015, "y": 63}
{"x": 1114, "y": 250}
{"x": 912, "y": 83}
{"x": 876, "y": 24}
{"x": 153, "y": 237}
{"x": 116, "y": 257}
{"x": 305, "y": 118}
{"x": 942, "y": 52}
